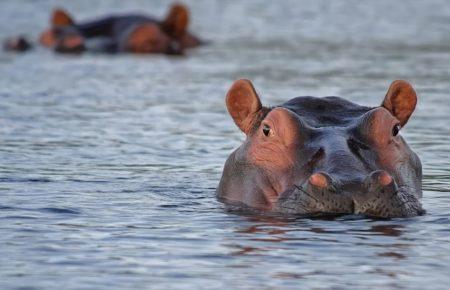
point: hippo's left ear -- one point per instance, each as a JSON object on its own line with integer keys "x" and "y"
{"x": 244, "y": 105}
{"x": 400, "y": 100}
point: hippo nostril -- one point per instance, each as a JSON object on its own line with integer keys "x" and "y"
{"x": 384, "y": 178}
{"x": 380, "y": 180}
{"x": 322, "y": 181}
{"x": 319, "y": 180}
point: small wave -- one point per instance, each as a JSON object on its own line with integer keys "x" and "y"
{"x": 8, "y": 179}
{"x": 59, "y": 210}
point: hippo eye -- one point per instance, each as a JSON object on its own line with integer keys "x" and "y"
{"x": 396, "y": 130}
{"x": 266, "y": 130}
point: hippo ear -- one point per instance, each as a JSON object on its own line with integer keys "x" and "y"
{"x": 61, "y": 18}
{"x": 177, "y": 20}
{"x": 243, "y": 104}
{"x": 400, "y": 100}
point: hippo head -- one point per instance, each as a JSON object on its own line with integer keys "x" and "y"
{"x": 319, "y": 156}
{"x": 63, "y": 36}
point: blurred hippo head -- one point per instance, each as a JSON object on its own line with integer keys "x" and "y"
{"x": 63, "y": 36}
{"x": 319, "y": 156}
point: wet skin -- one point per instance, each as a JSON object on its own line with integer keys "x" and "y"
{"x": 121, "y": 33}
{"x": 318, "y": 156}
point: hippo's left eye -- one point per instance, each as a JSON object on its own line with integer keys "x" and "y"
{"x": 266, "y": 129}
{"x": 396, "y": 130}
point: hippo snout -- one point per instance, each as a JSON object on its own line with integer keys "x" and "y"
{"x": 376, "y": 195}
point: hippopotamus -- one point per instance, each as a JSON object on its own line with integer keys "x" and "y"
{"x": 132, "y": 33}
{"x": 323, "y": 156}
{"x": 18, "y": 44}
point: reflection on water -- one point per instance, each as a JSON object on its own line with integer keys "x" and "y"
{"x": 317, "y": 242}
{"x": 108, "y": 165}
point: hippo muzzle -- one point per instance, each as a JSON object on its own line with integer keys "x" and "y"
{"x": 378, "y": 195}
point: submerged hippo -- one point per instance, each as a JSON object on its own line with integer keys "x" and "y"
{"x": 121, "y": 33}
{"x": 318, "y": 156}
{"x": 18, "y": 44}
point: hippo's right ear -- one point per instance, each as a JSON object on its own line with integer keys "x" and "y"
{"x": 244, "y": 105}
{"x": 177, "y": 20}
{"x": 400, "y": 100}
{"x": 60, "y": 17}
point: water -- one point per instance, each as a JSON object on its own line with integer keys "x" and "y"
{"x": 108, "y": 164}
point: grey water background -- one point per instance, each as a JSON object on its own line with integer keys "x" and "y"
{"x": 108, "y": 164}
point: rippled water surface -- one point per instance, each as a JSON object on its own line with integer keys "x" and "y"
{"x": 108, "y": 164}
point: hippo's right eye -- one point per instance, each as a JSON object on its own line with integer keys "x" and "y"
{"x": 396, "y": 130}
{"x": 266, "y": 129}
